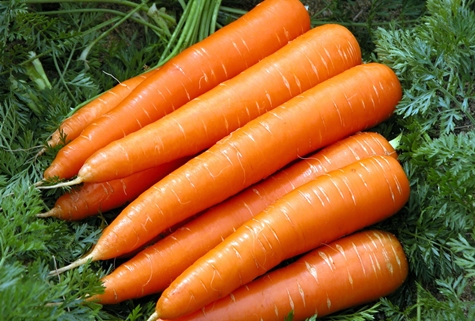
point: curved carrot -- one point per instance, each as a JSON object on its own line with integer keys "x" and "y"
{"x": 321, "y": 211}
{"x": 152, "y": 270}
{"x": 74, "y": 125}
{"x": 92, "y": 198}
{"x": 354, "y": 270}
{"x": 197, "y": 69}
{"x": 354, "y": 100}
{"x": 311, "y": 58}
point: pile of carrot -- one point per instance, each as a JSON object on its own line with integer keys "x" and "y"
{"x": 250, "y": 148}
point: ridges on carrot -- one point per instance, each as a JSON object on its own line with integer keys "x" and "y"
{"x": 354, "y": 270}
{"x": 311, "y": 58}
{"x": 72, "y": 126}
{"x": 197, "y": 69}
{"x": 152, "y": 270}
{"x": 91, "y": 198}
{"x": 354, "y": 100}
{"x": 321, "y": 211}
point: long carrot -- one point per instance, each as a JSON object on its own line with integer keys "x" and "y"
{"x": 197, "y": 69}
{"x": 352, "y": 101}
{"x": 152, "y": 270}
{"x": 92, "y": 198}
{"x": 354, "y": 270}
{"x": 311, "y": 58}
{"x": 74, "y": 125}
{"x": 321, "y": 211}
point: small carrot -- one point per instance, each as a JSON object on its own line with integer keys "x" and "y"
{"x": 354, "y": 270}
{"x": 92, "y": 198}
{"x": 74, "y": 125}
{"x": 197, "y": 69}
{"x": 152, "y": 270}
{"x": 311, "y": 58}
{"x": 321, "y": 211}
{"x": 354, "y": 100}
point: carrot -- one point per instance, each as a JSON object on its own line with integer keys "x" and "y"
{"x": 352, "y": 101}
{"x": 197, "y": 69}
{"x": 354, "y": 270}
{"x": 321, "y": 211}
{"x": 92, "y": 198}
{"x": 152, "y": 270}
{"x": 74, "y": 125}
{"x": 313, "y": 57}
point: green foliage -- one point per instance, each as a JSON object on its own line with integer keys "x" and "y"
{"x": 435, "y": 61}
{"x": 50, "y": 66}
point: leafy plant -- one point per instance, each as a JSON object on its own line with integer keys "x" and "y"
{"x": 56, "y": 55}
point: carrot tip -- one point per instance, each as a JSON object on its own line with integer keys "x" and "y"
{"x": 51, "y": 213}
{"x": 73, "y": 265}
{"x": 153, "y": 317}
{"x": 75, "y": 181}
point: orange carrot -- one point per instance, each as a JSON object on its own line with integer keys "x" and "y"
{"x": 352, "y": 101}
{"x": 354, "y": 270}
{"x": 197, "y": 69}
{"x": 152, "y": 270}
{"x": 74, "y": 125}
{"x": 92, "y": 198}
{"x": 321, "y": 211}
{"x": 313, "y": 57}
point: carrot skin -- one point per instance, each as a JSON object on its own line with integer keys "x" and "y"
{"x": 322, "y": 53}
{"x": 354, "y": 270}
{"x": 352, "y": 101}
{"x": 168, "y": 258}
{"x": 197, "y": 69}
{"x": 306, "y": 123}
{"x": 74, "y": 125}
{"x": 92, "y": 198}
{"x": 331, "y": 206}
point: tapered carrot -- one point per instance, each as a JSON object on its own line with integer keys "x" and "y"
{"x": 354, "y": 270}
{"x": 92, "y": 198}
{"x": 152, "y": 270}
{"x": 197, "y": 69}
{"x": 74, "y": 125}
{"x": 354, "y": 100}
{"x": 321, "y": 211}
{"x": 313, "y": 57}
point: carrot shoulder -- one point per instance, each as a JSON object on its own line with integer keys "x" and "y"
{"x": 74, "y": 125}
{"x": 354, "y": 270}
{"x": 152, "y": 270}
{"x": 197, "y": 69}
{"x": 321, "y": 211}
{"x": 321, "y": 53}
{"x": 91, "y": 198}
{"x": 354, "y": 100}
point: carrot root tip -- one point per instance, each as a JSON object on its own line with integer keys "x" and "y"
{"x": 153, "y": 317}
{"x": 51, "y": 213}
{"x": 71, "y": 266}
{"x": 77, "y": 180}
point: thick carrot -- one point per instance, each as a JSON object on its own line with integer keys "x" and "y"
{"x": 74, "y": 125}
{"x": 313, "y": 57}
{"x": 352, "y": 101}
{"x": 152, "y": 270}
{"x": 92, "y": 198}
{"x": 321, "y": 211}
{"x": 354, "y": 270}
{"x": 197, "y": 69}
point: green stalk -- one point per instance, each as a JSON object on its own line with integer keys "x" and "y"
{"x": 85, "y": 52}
{"x": 103, "y": 10}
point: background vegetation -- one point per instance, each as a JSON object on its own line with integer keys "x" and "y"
{"x": 57, "y": 54}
